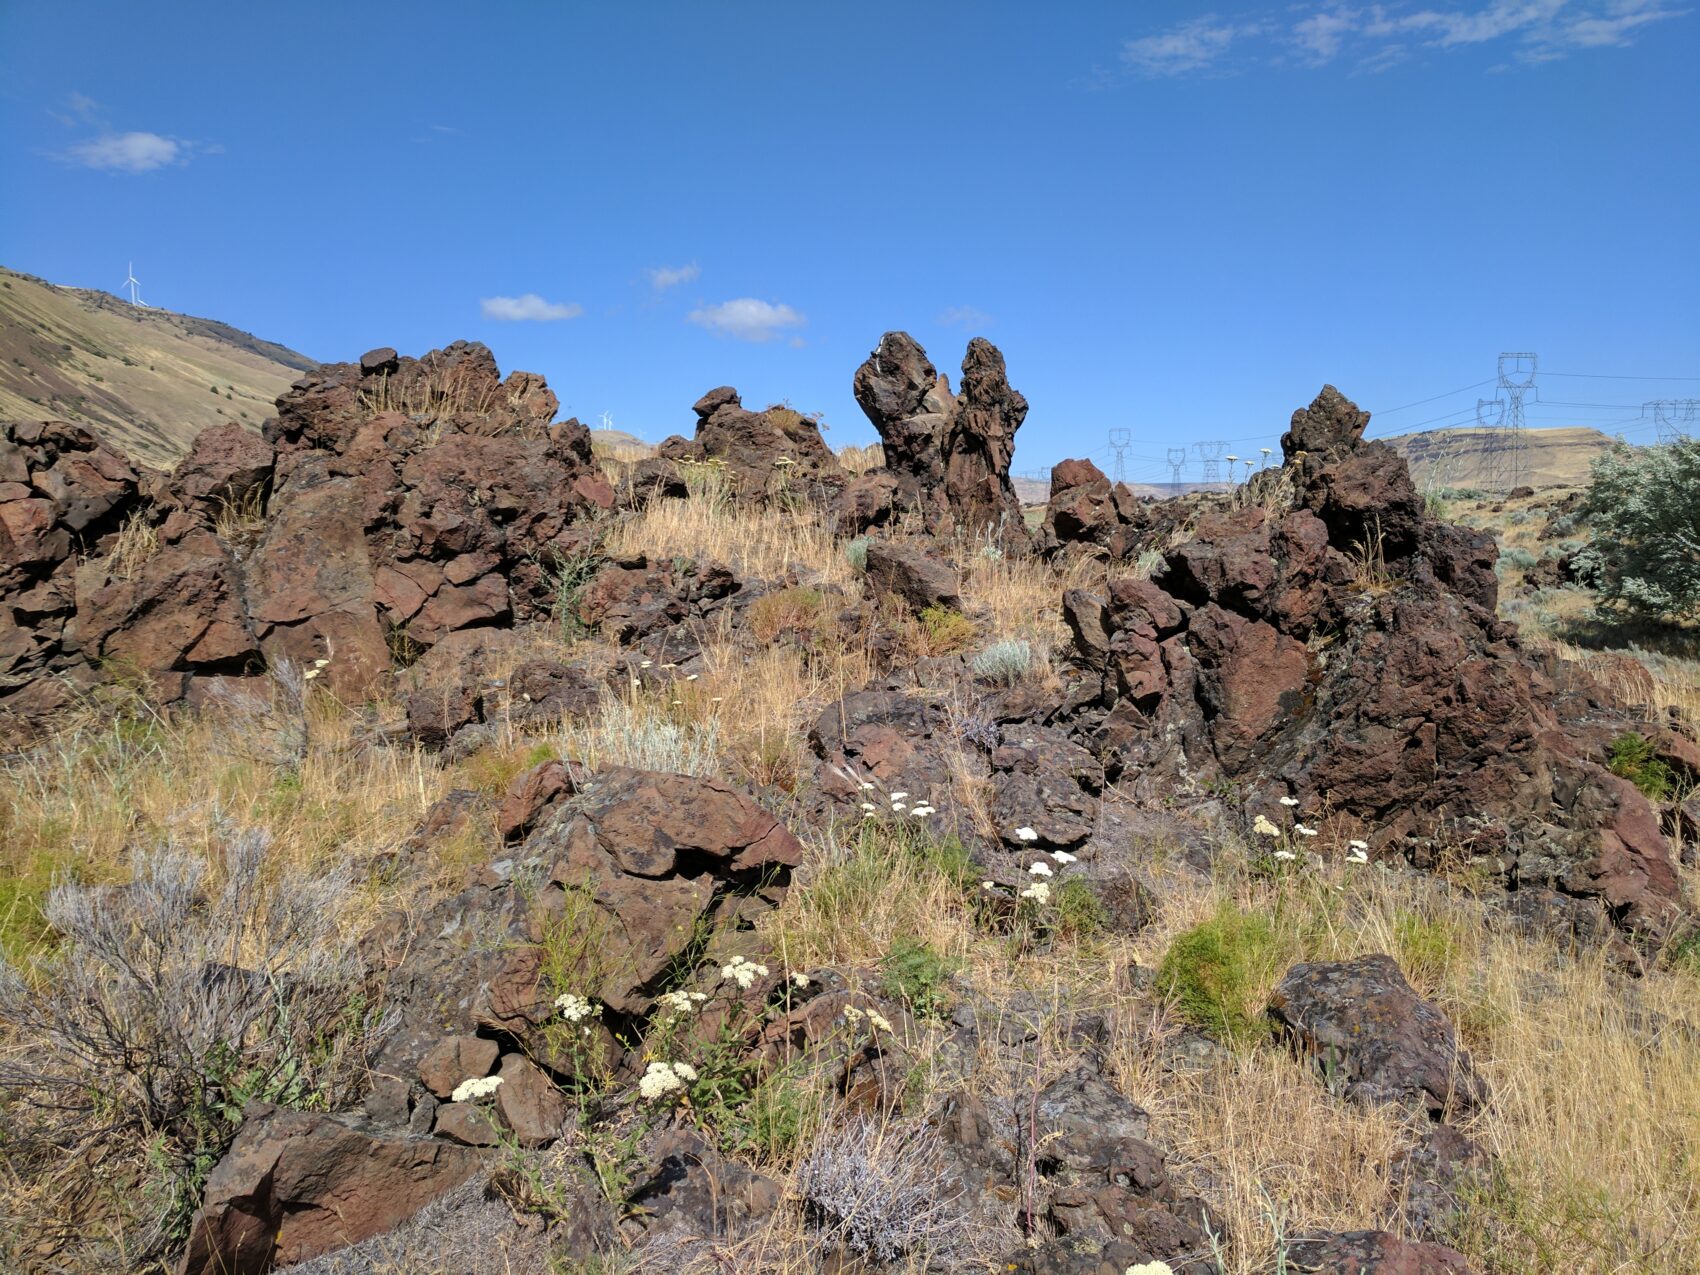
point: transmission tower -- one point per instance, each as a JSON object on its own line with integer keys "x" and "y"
{"x": 1210, "y": 454}
{"x": 1503, "y": 460}
{"x": 1674, "y": 417}
{"x": 1177, "y": 458}
{"x": 1120, "y": 440}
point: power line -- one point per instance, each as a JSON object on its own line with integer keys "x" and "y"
{"x": 1613, "y": 376}
{"x": 1388, "y": 411}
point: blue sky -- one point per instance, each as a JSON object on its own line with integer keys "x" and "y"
{"x": 1172, "y": 221}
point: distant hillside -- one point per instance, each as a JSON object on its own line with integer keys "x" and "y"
{"x": 149, "y": 380}
{"x": 1458, "y": 457}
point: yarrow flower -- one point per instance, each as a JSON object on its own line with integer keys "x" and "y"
{"x": 1358, "y": 845}
{"x": 662, "y": 1078}
{"x": 1289, "y": 802}
{"x": 1039, "y": 892}
{"x": 1359, "y": 854}
{"x": 680, "y": 1002}
{"x": 878, "y": 1021}
{"x": 1303, "y": 830}
{"x": 870, "y": 807}
{"x": 574, "y": 1008}
{"x": 1026, "y": 834}
{"x": 898, "y": 796}
{"x": 988, "y": 885}
{"x": 742, "y": 972}
{"x": 1262, "y": 826}
{"x": 476, "y": 1088}
{"x": 1062, "y": 856}
{"x": 800, "y": 979}
{"x": 1153, "y": 1268}
{"x": 923, "y": 811}
{"x": 1286, "y": 856}
{"x": 1040, "y": 870}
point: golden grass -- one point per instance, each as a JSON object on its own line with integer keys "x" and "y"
{"x": 760, "y": 543}
{"x": 859, "y": 460}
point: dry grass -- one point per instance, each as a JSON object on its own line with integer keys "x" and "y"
{"x": 758, "y": 543}
{"x": 859, "y": 460}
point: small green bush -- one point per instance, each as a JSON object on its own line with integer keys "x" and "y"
{"x": 1632, "y": 757}
{"x": 917, "y": 975}
{"x": 1080, "y": 912}
{"x": 856, "y": 553}
{"x": 947, "y": 630}
{"x": 1643, "y": 505}
{"x": 1219, "y": 972}
{"x": 1521, "y": 559}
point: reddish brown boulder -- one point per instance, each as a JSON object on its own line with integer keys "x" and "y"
{"x": 907, "y": 570}
{"x": 335, "y": 1182}
{"x": 227, "y": 467}
{"x": 455, "y": 1060}
{"x": 535, "y": 793}
{"x": 530, "y": 1104}
{"x": 1370, "y": 1034}
{"x": 767, "y": 454}
{"x": 436, "y": 713}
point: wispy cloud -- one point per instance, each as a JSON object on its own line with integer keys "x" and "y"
{"x": 529, "y": 308}
{"x": 1195, "y": 45}
{"x": 964, "y": 316}
{"x": 663, "y": 277}
{"x": 747, "y": 319}
{"x": 130, "y": 152}
{"x": 1378, "y": 35}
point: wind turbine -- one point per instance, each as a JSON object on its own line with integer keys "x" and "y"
{"x": 134, "y": 284}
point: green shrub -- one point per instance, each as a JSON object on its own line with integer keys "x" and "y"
{"x": 919, "y": 976}
{"x": 1521, "y": 559}
{"x": 1632, "y": 757}
{"x": 947, "y": 630}
{"x": 1424, "y": 947}
{"x": 1644, "y": 508}
{"x": 856, "y": 553}
{"x": 1080, "y": 912}
{"x": 1218, "y": 974}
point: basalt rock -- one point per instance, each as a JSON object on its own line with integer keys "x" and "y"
{"x": 949, "y": 454}
{"x": 1319, "y": 636}
{"x": 1372, "y": 1253}
{"x": 767, "y": 454}
{"x": 403, "y": 500}
{"x": 629, "y": 874}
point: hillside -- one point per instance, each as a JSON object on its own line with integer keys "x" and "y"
{"x": 148, "y": 379}
{"x": 1457, "y": 457}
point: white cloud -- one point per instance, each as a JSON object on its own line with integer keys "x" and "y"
{"x": 664, "y": 277}
{"x": 1376, "y": 36}
{"x": 529, "y": 308}
{"x": 747, "y": 319}
{"x": 1191, "y": 46}
{"x": 130, "y": 152}
{"x": 965, "y": 316}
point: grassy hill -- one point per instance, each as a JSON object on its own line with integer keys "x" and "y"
{"x": 1458, "y": 457}
{"x": 148, "y": 379}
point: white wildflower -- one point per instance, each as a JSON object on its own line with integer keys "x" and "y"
{"x": 1026, "y": 834}
{"x": 800, "y": 979}
{"x": 476, "y": 1088}
{"x": 921, "y": 812}
{"x": 988, "y": 885}
{"x": 645, "y": 663}
{"x": 1153, "y": 1268}
{"x": 866, "y": 786}
{"x": 899, "y": 807}
{"x": 1304, "y": 830}
{"x": 1039, "y": 892}
{"x": 1062, "y": 856}
{"x": 898, "y": 796}
{"x": 1286, "y": 856}
{"x": 1289, "y": 802}
{"x": 691, "y": 677}
{"x": 680, "y": 1002}
{"x": 320, "y": 663}
{"x": 1040, "y": 870}
{"x": 1263, "y": 827}
{"x": 743, "y": 972}
{"x": 685, "y": 1072}
{"x": 660, "y": 1080}
{"x": 573, "y": 1008}
{"x": 309, "y": 675}
{"x": 1358, "y": 856}
{"x": 879, "y": 1022}
{"x": 1358, "y": 845}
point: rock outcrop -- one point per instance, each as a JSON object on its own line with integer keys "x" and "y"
{"x": 393, "y": 501}
{"x": 1318, "y": 637}
{"x": 767, "y": 455}
{"x": 949, "y": 454}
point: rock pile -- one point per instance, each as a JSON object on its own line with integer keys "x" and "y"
{"x": 1319, "y": 638}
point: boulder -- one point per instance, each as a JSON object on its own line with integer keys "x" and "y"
{"x": 1372, "y": 1036}
{"x": 908, "y": 571}
{"x": 228, "y": 467}
{"x": 767, "y": 454}
{"x": 333, "y": 1180}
